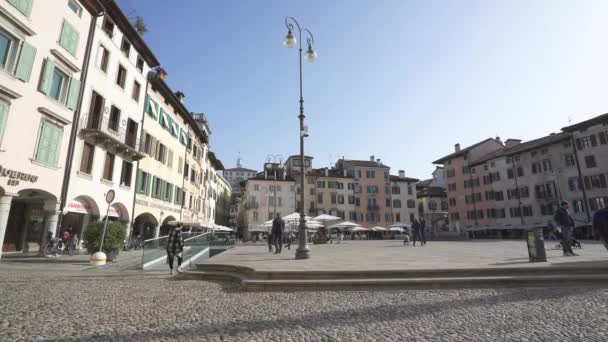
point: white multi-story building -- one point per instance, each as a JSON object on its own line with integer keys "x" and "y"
{"x": 403, "y": 198}
{"x": 43, "y": 47}
{"x": 107, "y": 145}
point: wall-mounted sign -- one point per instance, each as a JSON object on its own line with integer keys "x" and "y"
{"x": 15, "y": 176}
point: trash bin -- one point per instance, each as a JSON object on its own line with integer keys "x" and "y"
{"x": 536, "y": 246}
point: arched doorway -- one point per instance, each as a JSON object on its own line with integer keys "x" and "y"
{"x": 165, "y": 228}
{"x": 27, "y": 219}
{"x": 144, "y": 225}
{"x": 78, "y": 213}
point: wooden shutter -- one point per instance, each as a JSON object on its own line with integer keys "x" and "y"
{"x": 25, "y": 63}
{"x": 48, "y": 143}
{"x": 170, "y": 158}
{"x": 24, "y": 6}
{"x": 593, "y": 140}
{"x": 69, "y": 38}
{"x": 87, "y": 153}
{"x": 602, "y": 136}
{"x": 148, "y": 182}
{"x": 47, "y": 76}
{"x": 138, "y": 182}
{"x": 3, "y": 117}
{"x": 73, "y": 93}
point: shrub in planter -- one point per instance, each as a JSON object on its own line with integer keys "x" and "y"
{"x": 113, "y": 241}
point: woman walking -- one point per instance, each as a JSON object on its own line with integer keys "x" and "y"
{"x": 175, "y": 246}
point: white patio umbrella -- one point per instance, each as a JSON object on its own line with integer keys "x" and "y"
{"x": 396, "y": 229}
{"x": 360, "y": 229}
{"x": 379, "y": 229}
{"x": 325, "y": 217}
{"x": 399, "y": 225}
{"x": 344, "y": 225}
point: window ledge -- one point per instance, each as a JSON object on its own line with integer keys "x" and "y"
{"x": 54, "y": 115}
{"x": 7, "y": 92}
{"x": 39, "y": 163}
{"x": 106, "y": 182}
{"x": 84, "y": 175}
{"x": 125, "y": 187}
{"x": 23, "y": 27}
{"x": 65, "y": 60}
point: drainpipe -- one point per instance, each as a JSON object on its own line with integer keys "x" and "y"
{"x": 184, "y": 181}
{"x": 141, "y": 139}
{"x": 76, "y": 119}
{"x": 580, "y": 179}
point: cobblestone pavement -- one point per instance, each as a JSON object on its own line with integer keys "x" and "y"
{"x": 131, "y": 306}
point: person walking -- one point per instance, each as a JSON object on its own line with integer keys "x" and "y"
{"x": 416, "y": 232}
{"x": 422, "y": 230}
{"x": 278, "y": 225}
{"x": 600, "y": 225}
{"x": 175, "y": 246}
{"x": 566, "y": 223}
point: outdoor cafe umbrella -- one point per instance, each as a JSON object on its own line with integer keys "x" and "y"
{"x": 379, "y": 229}
{"x": 359, "y": 229}
{"x": 326, "y": 218}
{"x": 344, "y": 225}
{"x": 396, "y": 229}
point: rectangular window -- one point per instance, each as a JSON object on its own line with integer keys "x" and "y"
{"x": 452, "y": 187}
{"x": 49, "y": 143}
{"x": 59, "y": 85}
{"x": 108, "y": 26}
{"x": 121, "y": 76}
{"x": 108, "y": 166}
{"x": 569, "y": 160}
{"x": 114, "y": 122}
{"x": 340, "y": 199}
{"x": 140, "y": 64}
{"x": 320, "y": 198}
{"x": 75, "y": 7}
{"x": 397, "y": 203}
{"x": 136, "y": 90}
{"x": 312, "y": 191}
{"x": 3, "y": 118}
{"x": 69, "y": 38}
{"x": 24, "y": 6}
{"x": 86, "y": 162}
{"x": 333, "y": 198}
{"x": 125, "y": 174}
{"x": 452, "y": 202}
{"x": 103, "y": 58}
{"x": 125, "y": 46}
{"x": 396, "y": 190}
{"x": 320, "y": 184}
{"x": 590, "y": 161}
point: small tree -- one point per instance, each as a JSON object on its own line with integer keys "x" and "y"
{"x": 140, "y": 25}
{"x": 113, "y": 240}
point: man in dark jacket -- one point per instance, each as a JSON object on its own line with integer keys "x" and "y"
{"x": 416, "y": 232}
{"x": 278, "y": 225}
{"x": 600, "y": 225}
{"x": 175, "y": 246}
{"x": 566, "y": 223}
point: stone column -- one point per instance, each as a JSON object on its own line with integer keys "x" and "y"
{"x": 5, "y": 208}
{"x": 51, "y": 218}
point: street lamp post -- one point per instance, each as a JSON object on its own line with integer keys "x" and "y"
{"x": 303, "y": 252}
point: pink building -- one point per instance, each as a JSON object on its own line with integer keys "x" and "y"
{"x": 466, "y": 186}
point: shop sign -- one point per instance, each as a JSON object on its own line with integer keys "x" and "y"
{"x": 14, "y": 177}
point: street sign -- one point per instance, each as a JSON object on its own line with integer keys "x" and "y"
{"x": 110, "y": 196}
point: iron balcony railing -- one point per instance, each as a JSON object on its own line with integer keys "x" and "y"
{"x": 119, "y": 134}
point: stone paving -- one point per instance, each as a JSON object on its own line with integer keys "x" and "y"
{"x": 96, "y": 305}
{"x": 393, "y": 255}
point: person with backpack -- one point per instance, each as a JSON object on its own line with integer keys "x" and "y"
{"x": 566, "y": 223}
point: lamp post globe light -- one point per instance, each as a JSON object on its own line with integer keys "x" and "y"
{"x": 303, "y": 252}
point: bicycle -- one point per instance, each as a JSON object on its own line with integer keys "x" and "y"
{"x": 55, "y": 247}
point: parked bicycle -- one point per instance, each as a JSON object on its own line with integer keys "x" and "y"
{"x": 55, "y": 247}
{"x": 134, "y": 243}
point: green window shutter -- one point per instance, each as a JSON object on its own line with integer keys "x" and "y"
{"x": 49, "y": 143}
{"x": 161, "y": 118}
{"x": 24, "y": 6}
{"x": 163, "y": 190}
{"x": 148, "y": 184}
{"x": 73, "y": 94}
{"x": 169, "y": 123}
{"x": 3, "y": 116}
{"x": 176, "y": 130}
{"x": 26, "y": 61}
{"x": 69, "y": 38}
{"x": 138, "y": 182}
{"x": 47, "y": 76}
{"x": 170, "y": 198}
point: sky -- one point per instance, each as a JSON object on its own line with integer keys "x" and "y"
{"x": 401, "y": 80}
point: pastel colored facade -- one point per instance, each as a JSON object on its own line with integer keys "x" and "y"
{"x": 464, "y": 184}
{"x": 433, "y": 204}
{"x": 235, "y": 176}
{"x": 332, "y": 192}
{"x": 107, "y": 145}
{"x": 222, "y": 206}
{"x": 403, "y": 198}
{"x": 372, "y": 190}
{"x": 42, "y": 54}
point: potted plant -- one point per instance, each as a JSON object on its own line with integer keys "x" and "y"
{"x": 113, "y": 240}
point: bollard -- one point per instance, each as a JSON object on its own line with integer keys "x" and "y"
{"x": 98, "y": 259}
{"x": 536, "y": 246}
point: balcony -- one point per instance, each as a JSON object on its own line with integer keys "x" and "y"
{"x": 113, "y": 136}
{"x": 373, "y": 207}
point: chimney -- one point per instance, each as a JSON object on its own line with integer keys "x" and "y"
{"x": 371, "y": 158}
{"x": 378, "y": 161}
{"x": 499, "y": 141}
{"x": 162, "y": 74}
{"x": 512, "y": 142}
{"x": 180, "y": 96}
{"x": 401, "y": 173}
{"x": 457, "y": 148}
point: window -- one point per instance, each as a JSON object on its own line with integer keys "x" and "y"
{"x": 140, "y": 64}
{"x": 161, "y": 155}
{"x": 397, "y": 217}
{"x": 569, "y": 160}
{"x": 357, "y": 201}
{"x": 108, "y": 167}
{"x": 409, "y": 189}
{"x": 108, "y": 26}
{"x": 340, "y": 199}
{"x": 590, "y": 161}
{"x": 136, "y": 91}
{"x": 388, "y": 202}
{"x": 451, "y": 173}
{"x": 125, "y": 174}
{"x": 16, "y": 56}
{"x": 24, "y": 6}
{"x": 598, "y": 203}
{"x": 86, "y": 162}
{"x": 143, "y": 183}
{"x": 452, "y": 187}
{"x": 333, "y": 198}
{"x": 586, "y": 142}
{"x": 49, "y": 143}
{"x": 312, "y": 191}
{"x": 320, "y": 198}
{"x": 69, "y": 38}
{"x": 452, "y": 202}
{"x": 114, "y": 122}
{"x": 411, "y": 203}
{"x": 121, "y": 76}
{"x": 396, "y": 190}
{"x": 103, "y": 58}
{"x": 125, "y": 46}
{"x": 75, "y": 7}
{"x": 370, "y": 174}
{"x": 3, "y": 118}
{"x": 499, "y": 196}
{"x": 56, "y": 83}
{"x": 527, "y": 210}
{"x": 397, "y": 203}
{"x": 595, "y": 182}
{"x": 320, "y": 184}
{"x": 59, "y": 84}
{"x": 547, "y": 165}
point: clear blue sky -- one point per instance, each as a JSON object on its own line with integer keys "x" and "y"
{"x": 402, "y": 80}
